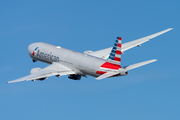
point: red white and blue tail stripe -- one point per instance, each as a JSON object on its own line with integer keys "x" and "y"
{"x": 115, "y": 55}
{"x": 114, "y": 60}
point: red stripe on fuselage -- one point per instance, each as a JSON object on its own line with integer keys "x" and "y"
{"x": 100, "y": 72}
{"x": 110, "y": 66}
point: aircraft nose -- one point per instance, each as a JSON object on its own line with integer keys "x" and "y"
{"x": 31, "y": 48}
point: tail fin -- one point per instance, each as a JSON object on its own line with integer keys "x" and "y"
{"x": 115, "y": 55}
{"x": 114, "y": 60}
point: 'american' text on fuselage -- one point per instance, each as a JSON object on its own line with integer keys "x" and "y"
{"x": 46, "y": 56}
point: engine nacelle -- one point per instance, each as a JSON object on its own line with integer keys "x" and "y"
{"x": 75, "y": 77}
{"x": 123, "y": 73}
{"x": 34, "y": 70}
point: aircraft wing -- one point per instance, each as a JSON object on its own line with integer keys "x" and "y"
{"x": 126, "y": 46}
{"x": 51, "y": 70}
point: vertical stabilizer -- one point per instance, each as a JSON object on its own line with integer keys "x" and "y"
{"x": 115, "y": 55}
{"x": 114, "y": 60}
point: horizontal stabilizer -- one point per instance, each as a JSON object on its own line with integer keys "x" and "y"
{"x": 130, "y": 67}
{"x": 106, "y": 75}
{"x": 110, "y": 74}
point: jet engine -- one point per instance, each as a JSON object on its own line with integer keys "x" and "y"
{"x": 34, "y": 70}
{"x": 75, "y": 77}
{"x": 123, "y": 73}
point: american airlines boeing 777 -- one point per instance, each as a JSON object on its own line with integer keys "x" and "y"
{"x": 100, "y": 64}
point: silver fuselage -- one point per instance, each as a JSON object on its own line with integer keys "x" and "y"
{"x": 81, "y": 63}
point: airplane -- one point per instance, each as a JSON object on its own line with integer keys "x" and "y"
{"x": 101, "y": 64}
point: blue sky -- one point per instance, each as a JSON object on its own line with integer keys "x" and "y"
{"x": 148, "y": 93}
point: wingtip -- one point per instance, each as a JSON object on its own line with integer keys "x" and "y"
{"x": 170, "y": 28}
{"x": 153, "y": 60}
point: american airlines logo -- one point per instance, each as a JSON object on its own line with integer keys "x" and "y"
{"x": 35, "y": 50}
{"x": 46, "y": 56}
